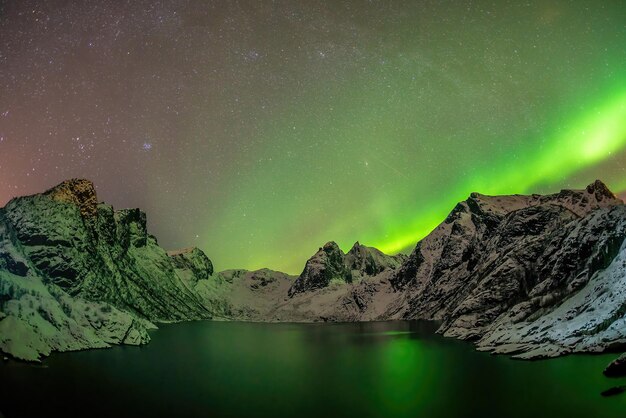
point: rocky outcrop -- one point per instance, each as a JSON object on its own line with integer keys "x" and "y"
{"x": 325, "y": 267}
{"x": 74, "y": 273}
{"x": 509, "y": 271}
{"x": 617, "y": 368}
{"x": 191, "y": 265}
{"x": 330, "y": 265}
{"x": 369, "y": 262}
{"x": 79, "y": 192}
{"x": 581, "y": 305}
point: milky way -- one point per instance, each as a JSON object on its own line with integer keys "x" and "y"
{"x": 260, "y": 130}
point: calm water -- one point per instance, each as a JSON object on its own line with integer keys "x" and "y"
{"x": 221, "y": 369}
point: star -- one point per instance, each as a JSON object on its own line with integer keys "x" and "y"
{"x": 285, "y": 106}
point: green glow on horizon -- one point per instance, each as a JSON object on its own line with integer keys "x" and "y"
{"x": 392, "y": 222}
{"x": 594, "y": 138}
{"x": 383, "y": 137}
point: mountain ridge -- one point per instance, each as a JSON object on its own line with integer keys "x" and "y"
{"x": 76, "y": 274}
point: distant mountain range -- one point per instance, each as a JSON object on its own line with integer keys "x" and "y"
{"x": 532, "y": 276}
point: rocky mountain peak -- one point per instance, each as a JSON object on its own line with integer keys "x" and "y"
{"x": 94, "y": 276}
{"x": 330, "y": 247}
{"x": 600, "y": 191}
{"x": 361, "y": 249}
{"x": 580, "y": 202}
{"x": 80, "y": 192}
{"x": 474, "y": 221}
{"x": 357, "y": 245}
{"x": 369, "y": 261}
{"x": 330, "y": 264}
{"x": 194, "y": 261}
{"x": 326, "y": 265}
{"x": 358, "y": 250}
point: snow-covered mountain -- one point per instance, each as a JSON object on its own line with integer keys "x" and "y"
{"x": 531, "y": 275}
{"x": 74, "y": 274}
{"x": 511, "y": 271}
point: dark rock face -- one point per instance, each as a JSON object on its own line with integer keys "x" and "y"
{"x": 514, "y": 257}
{"x": 617, "y": 368}
{"x": 76, "y": 252}
{"x": 556, "y": 257}
{"x": 100, "y": 254}
{"x": 79, "y": 192}
{"x": 194, "y": 261}
{"x": 368, "y": 261}
{"x": 614, "y": 391}
{"x": 330, "y": 264}
{"x": 325, "y": 266}
{"x": 600, "y": 191}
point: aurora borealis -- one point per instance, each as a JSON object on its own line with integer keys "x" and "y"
{"x": 260, "y": 130}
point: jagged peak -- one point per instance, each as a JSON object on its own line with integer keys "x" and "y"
{"x": 356, "y": 247}
{"x": 600, "y": 190}
{"x": 74, "y": 185}
{"x": 194, "y": 259}
{"x": 577, "y": 200}
{"x": 370, "y": 261}
{"x": 330, "y": 246}
{"x": 359, "y": 248}
{"x": 80, "y": 192}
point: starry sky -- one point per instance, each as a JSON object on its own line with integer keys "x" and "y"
{"x": 259, "y": 130}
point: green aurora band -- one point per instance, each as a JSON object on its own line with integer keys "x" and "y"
{"x": 377, "y": 144}
{"x": 258, "y": 131}
{"x": 591, "y": 139}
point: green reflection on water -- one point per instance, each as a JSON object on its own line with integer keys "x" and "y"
{"x": 394, "y": 369}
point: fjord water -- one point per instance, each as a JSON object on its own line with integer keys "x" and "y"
{"x": 380, "y": 369}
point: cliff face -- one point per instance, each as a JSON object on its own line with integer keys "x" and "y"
{"x": 191, "y": 265}
{"x": 76, "y": 274}
{"x": 331, "y": 265}
{"x": 326, "y": 266}
{"x": 499, "y": 262}
{"x": 365, "y": 262}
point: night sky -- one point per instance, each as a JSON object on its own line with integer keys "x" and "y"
{"x": 259, "y": 130}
